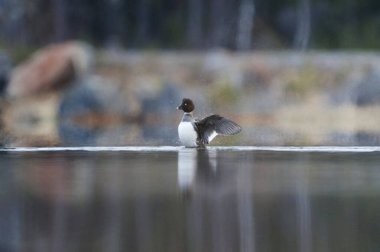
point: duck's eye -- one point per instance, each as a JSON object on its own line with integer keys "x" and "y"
{"x": 185, "y": 104}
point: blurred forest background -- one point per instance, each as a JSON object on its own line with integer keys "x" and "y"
{"x": 194, "y": 24}
{"x": 111, "y": 72}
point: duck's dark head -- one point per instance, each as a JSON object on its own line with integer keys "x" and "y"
{"x": 187, "y": 105}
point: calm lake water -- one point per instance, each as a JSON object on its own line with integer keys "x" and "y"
{"x": 175, "y": 199}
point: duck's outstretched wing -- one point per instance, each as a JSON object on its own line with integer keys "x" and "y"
{"x": 214, "y": 125}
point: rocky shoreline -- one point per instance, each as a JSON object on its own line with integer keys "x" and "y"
{"x": 129, "y": 97}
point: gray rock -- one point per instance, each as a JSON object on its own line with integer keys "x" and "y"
{"x": 162, "y": 103}
{"x": 161, "y": 107}
{"x": 88, "y": 109}
{"x": 79, "y": 101}
{"x": 367, "y": 139}
{"x": 368, "y": 90}
{"x": 5, "y": 68}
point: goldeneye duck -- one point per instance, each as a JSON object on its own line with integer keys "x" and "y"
{"x": 198, "y": 133}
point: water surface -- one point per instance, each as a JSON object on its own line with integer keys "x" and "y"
{"x": 177, "y": 199}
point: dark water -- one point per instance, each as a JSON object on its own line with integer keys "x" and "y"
{"x": 174, "y": 199}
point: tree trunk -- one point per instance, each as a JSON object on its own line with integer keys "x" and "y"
{"x": 217, "y": 18}
{"x": 60, "y": 24}
{"x": 302, "y": 36}
{"x": 194, "y": 23}
{"x": 113, "y": 23}
{"x": 245, "y": 25}
{"x": 143, "y": 21}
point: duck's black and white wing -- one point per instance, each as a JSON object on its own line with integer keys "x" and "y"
{"x": 208, "y": 128}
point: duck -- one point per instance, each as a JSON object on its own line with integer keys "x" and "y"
{"x": 200, "y": 132}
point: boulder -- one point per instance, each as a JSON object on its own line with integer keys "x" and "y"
{"x": 162, "y": 103}
{"x": 159, "y": 109}
{"x": 51, "y": 68}
{"x": 367, "y": 91}
{"x": 78, "y": 102}
{"x": 94, "y": 111}
{"x": 5, "y": 68}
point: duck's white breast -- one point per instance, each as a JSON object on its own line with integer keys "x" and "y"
{"x": 187, "y": 134}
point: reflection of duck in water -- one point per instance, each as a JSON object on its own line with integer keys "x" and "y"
{"x": 198, "y": 133}
{"x": 194, "y": 164}
{"x": 202, "y": 171}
